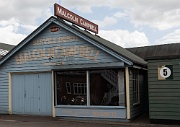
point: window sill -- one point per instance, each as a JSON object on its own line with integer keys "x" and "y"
{"x": 89, "y": 107}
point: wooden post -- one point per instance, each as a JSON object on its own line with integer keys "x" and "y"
{"x": 53, "y": 109}
{"x": 10, "y": 94}
{"x": 88, "y": 87}
{"x": 127, "y": 93}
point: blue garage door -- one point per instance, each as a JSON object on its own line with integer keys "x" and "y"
{"x": 32, "y": 94}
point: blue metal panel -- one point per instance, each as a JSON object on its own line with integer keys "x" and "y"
{"x": 45, "y": 93}
{"x": 31, "y": 94}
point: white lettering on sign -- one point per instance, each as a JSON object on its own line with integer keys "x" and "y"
{"x": 74, "y": 18}
{"x": 67, "y": 15}
{"x": 87, "y": 25}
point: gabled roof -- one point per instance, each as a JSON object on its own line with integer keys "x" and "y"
{"x": 127, "y": 55}
{"x": 165, "y": 51}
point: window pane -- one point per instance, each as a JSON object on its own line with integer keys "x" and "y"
{"x": 136, "y": 99}
{"x": 70, "y": 86}
{"x": 104, "y": 88}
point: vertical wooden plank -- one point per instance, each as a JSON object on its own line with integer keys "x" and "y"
{"x": 31, "y": 95}
{"x": 10, "y": 94}
{"x": 45, "y": 83}
{"x": 53, "y": 108}
{"x": 18, "y": 93}
{"x": 88, "y": 87}
{"x": 127, "y": 93}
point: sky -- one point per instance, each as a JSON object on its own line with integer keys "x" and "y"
{"x": 128, "y": 23}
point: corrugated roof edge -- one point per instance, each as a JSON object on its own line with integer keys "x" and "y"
{"x": 153, "y": 52}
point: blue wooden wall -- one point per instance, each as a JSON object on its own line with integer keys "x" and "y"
{"x": 48, "y": 50}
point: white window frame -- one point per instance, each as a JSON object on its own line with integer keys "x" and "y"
{"x": 68, "y": 85}
{"x": 81, "y": 86}
{"x": 136, "y": 91}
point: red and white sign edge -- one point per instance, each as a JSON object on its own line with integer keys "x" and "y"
{"x": 60, "y": 11}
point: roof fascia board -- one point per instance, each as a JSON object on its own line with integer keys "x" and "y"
{"x": 95, "y": 43}
{"x": 26, "y": 40}
{"x": 90, "y": 66}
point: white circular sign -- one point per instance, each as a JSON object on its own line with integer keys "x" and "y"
{"x": 165, "y": 72}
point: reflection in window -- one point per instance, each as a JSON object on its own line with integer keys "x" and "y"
{"x": 72, "y": 88}
{"x": 104, "y": 88}
{"x": 136, "y": 96}
{"x": 68, "y": 87}
{"x": 79, "y": 88}
{"x": 68, "y": 94}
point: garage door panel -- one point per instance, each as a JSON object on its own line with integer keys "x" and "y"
{"x": 45, "y": 92}
{"x": 31, "y": 94}
{"x": 18, "y": 93}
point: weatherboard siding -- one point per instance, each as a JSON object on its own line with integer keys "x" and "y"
{"x": 164, "y": 95}
{"x": 65, "y": 53}
{"x": 136, "y": 110}
{"x": 36, "y": 58}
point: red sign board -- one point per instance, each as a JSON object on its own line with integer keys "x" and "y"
{"x": 74, "y": 18}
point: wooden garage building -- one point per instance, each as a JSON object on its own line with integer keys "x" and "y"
{"x": 62, "y": 70}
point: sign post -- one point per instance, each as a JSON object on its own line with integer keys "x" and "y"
{"x": 74, "y": 18}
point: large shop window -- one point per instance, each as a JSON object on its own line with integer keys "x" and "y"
{"x": 72, "y": 88}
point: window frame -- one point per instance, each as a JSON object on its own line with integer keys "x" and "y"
{"x": 79, "y": 85}
{"x": 86, "y": 89}
{"x": 136, "y": 88}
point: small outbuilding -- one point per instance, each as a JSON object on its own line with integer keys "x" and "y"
{"x": 163, "y": 80}
{"x": 4, "y": 49}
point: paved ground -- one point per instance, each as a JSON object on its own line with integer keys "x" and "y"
{"x": 43, "y": 121}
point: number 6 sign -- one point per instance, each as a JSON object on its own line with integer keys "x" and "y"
{"x": 165, "y": 72}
